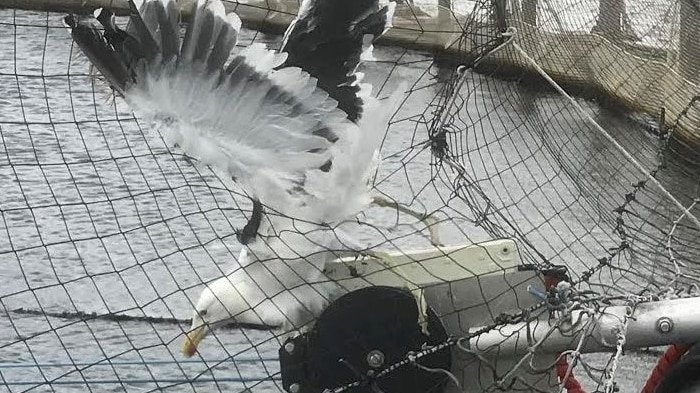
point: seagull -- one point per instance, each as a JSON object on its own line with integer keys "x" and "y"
{"x": 274, "y": 285}
{"x": 302, "y": 143}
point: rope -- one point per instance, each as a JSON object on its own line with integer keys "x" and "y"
{"x": 135, "y": 362}
{"x": 610, "y": 384}
{"x": 138, "y": 381}
{"x": 114, "y": 317}
{"x": 667, "y": 360}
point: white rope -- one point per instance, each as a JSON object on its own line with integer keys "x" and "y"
{"x": 509, "y": 34}
{"x": 609, "y": 386}
{"x": 543, "y": 73}
{"x": 669, "y": 246}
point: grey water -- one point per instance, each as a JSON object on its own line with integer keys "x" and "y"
{"x": 99, "y": 216}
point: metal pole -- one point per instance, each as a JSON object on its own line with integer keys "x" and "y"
{"x": 652, "y": 324}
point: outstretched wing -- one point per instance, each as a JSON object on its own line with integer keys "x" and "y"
{"x": 241, "y": 115}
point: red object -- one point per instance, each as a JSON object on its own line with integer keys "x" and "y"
{"x": 571, "y": 384}
{"x": 550, "y": 282}
{"x": 670, "y": 357}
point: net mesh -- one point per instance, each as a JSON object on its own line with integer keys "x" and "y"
{"x": 107, "y": 235}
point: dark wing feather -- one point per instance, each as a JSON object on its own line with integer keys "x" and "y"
{"x": 89, "y": 37}
{"x": 326, "y": 40}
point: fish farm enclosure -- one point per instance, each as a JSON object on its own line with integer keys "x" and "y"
{"x": 538, "y": 181}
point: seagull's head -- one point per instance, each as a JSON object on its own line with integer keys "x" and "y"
{"x": 223, "y": 301}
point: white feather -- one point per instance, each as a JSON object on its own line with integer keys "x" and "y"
{"x": 343, "y": 192}
{"x": 391, "y": 8}
{"x": 138, "y": 4}
{"x": 234, "y": 21}
{"x": 367, "y": 48}
{"x": 293, "y": 79}
{"x": 236, "y": 124}
{"x": 261, "y": 59}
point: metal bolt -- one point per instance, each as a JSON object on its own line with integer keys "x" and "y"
{"x": 375, "y": 358}
{"x": 289, "y": 347}
{"x": 664, "y": 325}
{"x": 294, "y": 388}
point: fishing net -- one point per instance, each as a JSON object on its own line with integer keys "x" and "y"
{"x": 545, "y": 206}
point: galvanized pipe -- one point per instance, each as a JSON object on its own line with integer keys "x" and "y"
{"x": 652, "y": 324}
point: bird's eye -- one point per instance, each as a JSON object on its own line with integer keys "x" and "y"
{"x": 202, "y": 312}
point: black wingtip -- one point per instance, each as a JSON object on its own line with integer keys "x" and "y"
{"x": 92, "y": 38}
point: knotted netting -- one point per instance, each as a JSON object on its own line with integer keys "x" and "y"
{"x": 547, "y": 139}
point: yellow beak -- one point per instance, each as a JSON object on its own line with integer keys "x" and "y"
{"x": 192, "y": 339}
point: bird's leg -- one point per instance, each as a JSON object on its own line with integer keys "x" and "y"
{"x": 430, "y": 222}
